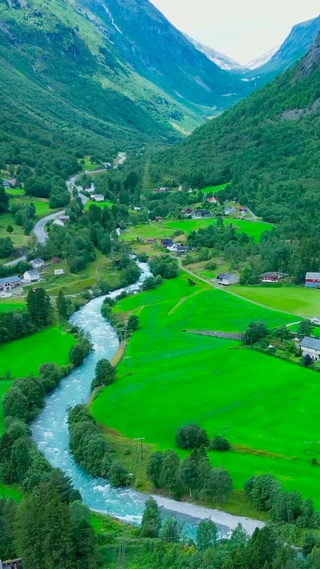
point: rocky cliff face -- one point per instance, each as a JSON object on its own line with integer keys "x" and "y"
{"x": 311, "y": 61}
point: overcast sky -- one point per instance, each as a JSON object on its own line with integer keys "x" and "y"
{"x": 242, "y": 29}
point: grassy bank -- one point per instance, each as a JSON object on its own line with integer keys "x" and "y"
{"x": 24, "y": 357}
{"x": 268, "y": 408}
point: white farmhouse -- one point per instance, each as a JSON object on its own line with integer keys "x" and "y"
{"x": 310, "y": 346}
{"x": 31, "y": 276}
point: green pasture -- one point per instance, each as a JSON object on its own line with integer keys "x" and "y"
{"x": 17, "y": 236}
{"x": 213, "y": 189}
{"x": 23, "y": 357}
{"x": 106, "y": 203}
{"x": 295, "y": 299}
{"x": 10, "y": 305}
{"x": 15, "y": 192}
{"x": 268, "y": 408}
{"x": 87, "y": 164}
{"x": 41, "y": 204}
{"x": 162, "y": 229}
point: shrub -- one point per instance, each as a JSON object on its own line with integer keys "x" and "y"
{"x": 191, "y": 437}
{"x": 219, "y": 443}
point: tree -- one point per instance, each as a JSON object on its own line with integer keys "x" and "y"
{"x": 154, "y": 468}
{"x": 80, "y": 351}
{"x": 169, "y": 476}
{"x": 118, "y": 474}
{"x": 151, "y": 519}
{"x": 255, "y": 332}
{"x": 219, "y": 443}
{"x": 105, "y": 374}
{"x": 191, "y": 436}
{"x": 170, "y": 531}
{"x": 262, "y": 490}
{"x": 218, "y": 485}
{"x": 189, "y": 472}
{"x": 84, "y": 538}
{"x": 10, "y": 229}
{"x": 62, "y": 305}
{"x": 207, "y": 534}
{"x": 305, "y": 328}
{"x": 40, "y": 308}
{"x": 133, "y": 323}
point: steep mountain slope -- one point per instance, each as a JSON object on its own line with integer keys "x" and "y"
{"x": 270, "y": 138}
{"x": 295, "y": 46}
{"x": 223, "y": 61}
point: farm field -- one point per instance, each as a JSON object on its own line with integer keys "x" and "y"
{"x": 6, "y": 306}
{"x": 41, "y": 205}
{"x": 295, "y": 299}
{"x": 17, "y": 236}
{"x": 49, "y": 345}
{"x": 106, "y": 203}
{"x": 268, "y": 408}
{"x": 162, "y": 229}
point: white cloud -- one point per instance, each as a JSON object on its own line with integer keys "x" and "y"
{"x": 242, "y": 29}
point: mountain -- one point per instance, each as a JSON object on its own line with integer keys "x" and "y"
{"x": 97, "y": 76}
{"x": 262, "y": 59}
{"x": 295, "y": 46}
{"x": 223, "y": 61}
{"x": 265, "y": 144}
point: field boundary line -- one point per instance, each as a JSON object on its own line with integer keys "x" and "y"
{"x": 182, "y": 300}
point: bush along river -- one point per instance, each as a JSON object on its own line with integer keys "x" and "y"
{"x": 50, "y": 432}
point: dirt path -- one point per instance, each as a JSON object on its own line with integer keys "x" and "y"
{"x": 230, "y": 291}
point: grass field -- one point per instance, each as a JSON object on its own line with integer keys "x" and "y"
{"x": 106, "y": 203}
{"x": 161, "y": 229}
{"x": 10, "y": 305}
{"x": 24, "y": 357}
{"x": 17, "y": 236}
{"x": 297, "y": 300}
{"x": 268, "y": 408}
{"x": 41, "y": 205}
{"x": 8, "y": 492}
{"x": 213, "y": 189}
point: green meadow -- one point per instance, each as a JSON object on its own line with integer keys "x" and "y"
{"x": 106, "y": 203}
{"x": 10, "y": 305}
{"x": 25, "y": 356}
{"x": 213, "y": 189}
{"x": 295, "y": 299}
{"x": 161, "y": 229}
{"x": 266, "y": 407}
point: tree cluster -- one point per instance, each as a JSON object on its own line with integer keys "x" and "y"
{"x": 91, "y": 450}
{"x": 165, "y": 266}
{"x": 193, "y": 475}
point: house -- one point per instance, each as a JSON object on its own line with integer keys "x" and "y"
{"x": 158, "y": 218}
{"x": 186, "y": 211}
{"x": 58, "y": 272}
{"x": 7, "y": 283}
{"x": 31, "y": 276}
{"x": 227, "y": 279}
{"x": 212, "y": 200}
{"x": 166, "y": 242}
{"x": 13, "y": 182}
{"x": 11, "y": 564}
{"x": 55, "y": 260}
{"x": 58, "y": 222}
{"x": 315, "y": 320}
{"x": 6, "y": 184}
{"x": 172, "y": 248}
{"x": 97, "y": 198}
{"x": 228, "y": 210}
{"x": 37, "y": 263}
{"x": 312, "y": 280}
{"x": 182, "y": 249}
{"x": 311, "y": 347}
{"x": 163, "y": 189}
{"x": 271, "y": 277}
{"x": 151, "y": 240}
{"x": 200, "y": 213}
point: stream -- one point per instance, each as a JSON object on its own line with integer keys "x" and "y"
{"x": 50, "y": 432}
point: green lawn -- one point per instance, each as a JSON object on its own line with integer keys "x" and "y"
{"x": 106, "y": 203}
{"x": 297, "y": 300}
{"x": 41, "y": 205}
{"x": 213, "y": 189}
{"x": 10, "y": 305}
{"x": 266, "y": 406}
{"x": 87, "y": 164}
{"x": 24, "y": 357}
{"x": 161, "y": 229}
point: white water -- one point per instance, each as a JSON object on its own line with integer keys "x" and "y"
{"x": 50, "y": 431}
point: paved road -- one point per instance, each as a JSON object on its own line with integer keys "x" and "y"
{"x": 122, "y": 156}
{"x": 39, "y": 228}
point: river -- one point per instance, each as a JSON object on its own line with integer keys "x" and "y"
{"x": 50, "y": 431}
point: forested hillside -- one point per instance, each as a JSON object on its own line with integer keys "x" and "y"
{"x": 271, "y": 138}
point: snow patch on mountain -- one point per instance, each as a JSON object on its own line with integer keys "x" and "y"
{"x": 262, "y": 59}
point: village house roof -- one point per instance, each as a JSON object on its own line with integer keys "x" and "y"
{"x": 32, "y": 274}
{"x": 310, "y": 343}
{"x": 228, "y": 277}
{"x": 9, "y": 280}
{"x": 37, "y": 261}
{"x": 313, "y": 276}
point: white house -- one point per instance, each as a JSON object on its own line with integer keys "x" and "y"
{"x": 37, "y": 263}
{"x": 97, "y": 198}
{"x": 58, "y": 272}
{"x": 310, "y": 346}
{"x": 31, "y": 276}
{"x": 316, "y": 320}
{"x": 58, "y": 222}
